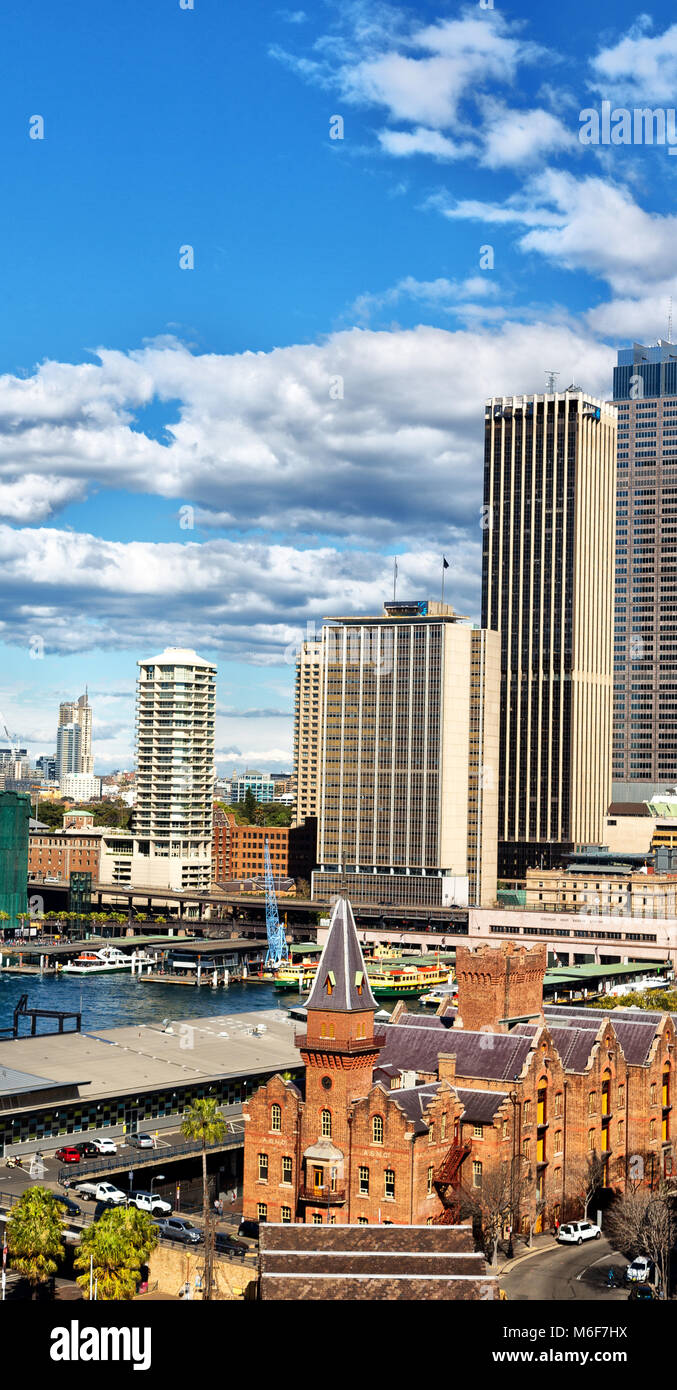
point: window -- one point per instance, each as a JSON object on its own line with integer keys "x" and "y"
{"x": 621, "y": 1095}
{"x": 317, "y": 1219}
{"x": 285, "y": 1215}
{"x": 389, "y": 1182}
{"x": 558, "y": 1103}
{"x": 263, "y": 1167}
{"x": 505, "y": 1133}
{"x": 477, "y": 1174}
{"x": 478, "y": 1131}
{"x": 653, "y": 1093}
{"x": 276, "y": 1118}
{"x": 558, "y": 1141}
{"x": 526, "y": 1148}
{"x": 326, "y": 1124}
{"x": 377, "y": 1129}
{"x": 652, "y": 1129}
{"x": 591, "y": 1140}
{"x": 286, "y": 1169}
{"x": 364, "y": 1182}
{"x": 527, "y": 1112}
{"x": 262, "y": 1211}
{"x": 443, "y": 1126}
{"x": 431, "y": 1134}
{"x": 362, "y": 1221}
{"x": 431, "y": 1170}
{"x": 592, "y": 1102}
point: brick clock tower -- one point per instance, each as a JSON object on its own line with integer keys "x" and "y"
{"x": 340, "y": 1050}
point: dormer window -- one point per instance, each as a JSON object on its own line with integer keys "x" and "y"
{"x": 359, "y": 977}
{"x": 330, "y": 982}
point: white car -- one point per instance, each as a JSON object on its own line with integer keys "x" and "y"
{"x": 104, "y": 1146}
{"x": 640, "y": 1271}
{"x": 150, "y": 1202}
{"x": 575, "y": 1232}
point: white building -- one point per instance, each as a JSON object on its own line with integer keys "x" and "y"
{"x": 81, "y": 786}
{"x": 175, "y": 769}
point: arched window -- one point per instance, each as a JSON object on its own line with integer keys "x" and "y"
{"x": 326, "y": 1124}
{"x": 377, "y": 1129}
{"x": 276, "y": 1118}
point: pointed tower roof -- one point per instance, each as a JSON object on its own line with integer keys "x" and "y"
{"x": 341, "y": 984}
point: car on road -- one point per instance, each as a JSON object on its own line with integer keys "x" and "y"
{"x": 640, "y": 1271}
{"x": 640, "y": 1292}
{"x": 104, "y": 1146}
{"x": 68, "y": 1155}
{"x": 72, "y": 1208}
{"x": 176, "y": 1228}
{"x": 227, "y": 1245}
{"x": 150, "y": 1202}
{"x": 575, "y": 1232}
{"x": 140, "y": 1141}
{"x": 86, "y": 1150}
{"x": 249, "y": 1228}
{"x": 102, "y": 1192}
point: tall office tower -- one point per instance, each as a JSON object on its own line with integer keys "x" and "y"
{"x": 68, "y": 745}
{"x": 408, "y": 788}
{"x": 547, "y": 585}
{"x": 645, "y": 657}
{"x": 175, "y": 768}
{"x": 77, "y": 712}
{"x": 307, "y": 742}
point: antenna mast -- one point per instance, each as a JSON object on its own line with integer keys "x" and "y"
{"x": 551, "y": 382}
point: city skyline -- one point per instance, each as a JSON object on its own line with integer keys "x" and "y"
{"x": 221, "y": 456}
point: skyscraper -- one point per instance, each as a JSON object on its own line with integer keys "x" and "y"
{"x": 408, "y": 788}
{"x": 547, "y": 585}
{"x": 175, "y": 768}
{"x": 74, "y": 748}
{"x": 307, "y": 727}
{"x": 645, "y": 655}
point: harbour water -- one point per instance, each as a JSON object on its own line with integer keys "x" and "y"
{"x": 112, "y": 1001}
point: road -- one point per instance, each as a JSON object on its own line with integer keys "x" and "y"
{"x": 566, "y": 1273}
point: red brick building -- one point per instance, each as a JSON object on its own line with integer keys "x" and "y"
{"x": 528, "y": 1114}
{"x": 238, "y": 850}
{"x": 59, "y": 853}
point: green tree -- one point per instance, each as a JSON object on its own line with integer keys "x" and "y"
{"x": 112, "y": 1251}
{"x": 204, "y": 1122}
{"x": 251, "y": 807}
{"x": 35, "y": 1236}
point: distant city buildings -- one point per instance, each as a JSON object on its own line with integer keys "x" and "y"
{"x": 645, "y": 659}
{"x": 307, "y": 730}
{"x": 547, "y": 588}
{"x": 81, "y": 786}
{"x": 260, "y": 784}
{"x": 409, "y": 746}
{"x": 172, "y": 820}
{"x": 74, "y": 738}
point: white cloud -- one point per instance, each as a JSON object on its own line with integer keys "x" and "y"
{"x": 405, "y": 143}
{"x": 516, "y": 138}
{"x": 641, "y": 67}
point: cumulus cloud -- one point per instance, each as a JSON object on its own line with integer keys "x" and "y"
{"x": 641, "y": 67}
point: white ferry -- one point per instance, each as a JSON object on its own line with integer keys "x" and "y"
{"x": 103, "y": 962}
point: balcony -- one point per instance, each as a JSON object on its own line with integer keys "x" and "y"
{"x": 341, "y": 1045}
{"x": 323, "y": 1196}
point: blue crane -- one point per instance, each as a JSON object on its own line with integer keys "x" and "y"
{"x": 277, "y": 941}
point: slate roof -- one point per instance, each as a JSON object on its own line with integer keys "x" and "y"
{"x": 341, "y": 959}
{"x": 480, "y": 1107}
{"x": 414, "y": 1102}
{"x": 407, "y": 1020}
{"x": 635, "y": 1031}
{"x": 495, "y": 1056}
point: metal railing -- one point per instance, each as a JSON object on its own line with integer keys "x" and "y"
{"x": 70, "y": 1174}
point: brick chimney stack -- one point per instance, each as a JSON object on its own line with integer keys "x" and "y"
{"x": 497, "y": 985}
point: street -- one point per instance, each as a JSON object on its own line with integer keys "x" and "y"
{"x": 566, "y": 1273}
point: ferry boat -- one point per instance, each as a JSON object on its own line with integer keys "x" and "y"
{"x": 296, "y": 977}
{"x": 407, "y": 979}
{"x": 103, "y": 962}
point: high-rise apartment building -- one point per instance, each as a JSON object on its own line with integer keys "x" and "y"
{"x": 645, "y": 655}
{"x": 307, "y": 730}
{"x": 175, "y": 768}
{"x": 547, "y": 585}
{"x": 74, "y": 746}
{"x": 409, "y": 749}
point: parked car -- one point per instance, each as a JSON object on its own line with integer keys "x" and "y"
{"x": 249, "y": 1228}
{"x": 68, "y": 1155}
{"x": 640, "y": 1292}
{"x": 72, "y": 1208}
{"x": 104, "y": 1146}
{"x": 227, "y": 1245}
{"x": 575, "y": 1232}
{"x": 150, "y": 1202}
{"x": 176, "y": 1228}
{"x": 102, "y": 1192}
{"x": 102, "y": 1207}
{"x": 640, "y": 1271}
{"x": 140, "y": 1141}
{"x": 86, "y": 1149}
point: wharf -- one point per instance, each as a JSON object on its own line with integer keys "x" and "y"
{"x": 157, "y": 977}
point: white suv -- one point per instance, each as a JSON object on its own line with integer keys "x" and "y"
{"x": 145, "y": 1201}
{"x": 575, "y": 1232}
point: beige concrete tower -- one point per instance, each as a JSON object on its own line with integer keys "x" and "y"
{"x": 548, "y": 579}
{"x": 307, "y": 728}
{"x": 408, "y": 808}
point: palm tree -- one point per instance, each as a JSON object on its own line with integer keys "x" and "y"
{"x": 112, "y": 1251}
{"x": 35, "y": 1236}
{"x": 204, "y": 1121}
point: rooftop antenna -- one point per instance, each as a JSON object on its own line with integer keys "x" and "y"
{"x": 551, "y": 382}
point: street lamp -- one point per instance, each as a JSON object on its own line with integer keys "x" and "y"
{"x": 158, "y": 1178}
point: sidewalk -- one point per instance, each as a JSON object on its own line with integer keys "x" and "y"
{"x": 539, "y": 1243}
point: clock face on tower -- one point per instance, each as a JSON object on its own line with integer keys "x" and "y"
{"x": 326, "y": 1082}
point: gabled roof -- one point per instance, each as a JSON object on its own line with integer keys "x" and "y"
{"x": 494, "y": 1056}
{"x": 341, "y": 972}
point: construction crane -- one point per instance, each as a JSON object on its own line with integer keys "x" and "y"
{"x": 13, "y": 742}
{"x": 278, "y": 949}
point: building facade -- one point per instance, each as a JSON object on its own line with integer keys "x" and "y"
{"x": 260, "y": 784}
{"x": 239, "y": 850}
{"x": 74, "y": 737}
{"x": 409, "y": 780}
{"x": 645, "y": 642}
{"x": 175, "y": 768}
{"x": 308, "y": 730}
{"x": 547, "y": 586}
{"x": 15, "y": 812}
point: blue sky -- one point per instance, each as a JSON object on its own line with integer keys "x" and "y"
{"x": 220, "y": 456}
